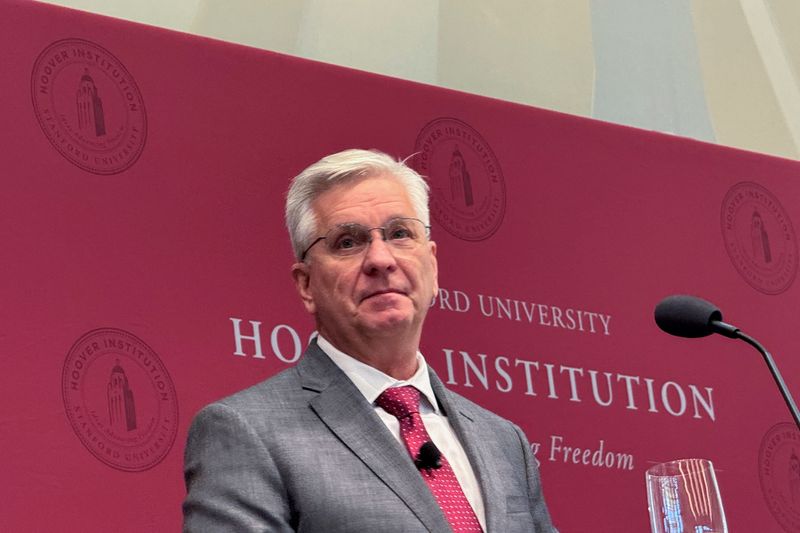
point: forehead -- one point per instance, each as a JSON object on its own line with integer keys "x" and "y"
{"x": 371, "y": 199}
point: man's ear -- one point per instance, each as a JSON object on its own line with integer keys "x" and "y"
{"x": 302, "y": 282}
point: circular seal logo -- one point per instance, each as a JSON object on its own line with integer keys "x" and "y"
{"x": 779, "y": 471}
{"x": 759, "y": 238}
{"x": 89, "y": 106}
{"x": 468, "y": 193}
{"x": 120, "y": 399}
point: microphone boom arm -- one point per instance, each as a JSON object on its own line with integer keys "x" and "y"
{"x": 773, "y": 368}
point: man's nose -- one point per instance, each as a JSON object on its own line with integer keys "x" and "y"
{"x": 379, "y": 255}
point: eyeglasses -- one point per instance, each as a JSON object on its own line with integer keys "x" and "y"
{"x": 350, "y": 239}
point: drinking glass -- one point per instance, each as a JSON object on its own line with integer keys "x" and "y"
{"x": 683, "y": 497}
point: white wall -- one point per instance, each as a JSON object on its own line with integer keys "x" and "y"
{"x": 724, "y": 71}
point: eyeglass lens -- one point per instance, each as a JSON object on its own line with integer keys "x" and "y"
{"x": 351, "y": 239}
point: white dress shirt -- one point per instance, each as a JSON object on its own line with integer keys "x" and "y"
{"x": 372, "y": 382}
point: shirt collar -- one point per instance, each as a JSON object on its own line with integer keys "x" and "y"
{"x": 371, "y": 382}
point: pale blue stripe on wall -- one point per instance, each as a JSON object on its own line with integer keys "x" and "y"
{"x": 647, "y": 72}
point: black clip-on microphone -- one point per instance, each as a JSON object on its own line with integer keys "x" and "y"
{"x": 689, "y": 316}
{"x": 428, "y": 457}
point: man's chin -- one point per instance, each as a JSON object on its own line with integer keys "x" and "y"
{"x": 387, "y": 321}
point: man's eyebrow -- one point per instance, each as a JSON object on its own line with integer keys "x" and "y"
{"x": 387, "y": 219}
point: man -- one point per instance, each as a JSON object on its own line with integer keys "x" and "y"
{"x": 360, "y": 436}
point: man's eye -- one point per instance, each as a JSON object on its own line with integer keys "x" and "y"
{"x": 401, "y": 232}
{"x": 345, "y": 242}
{"x": 350, "y": 239}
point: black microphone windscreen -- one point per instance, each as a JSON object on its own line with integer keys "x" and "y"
{"x": 429, "y": 456}
{"x": 686, "y": 316}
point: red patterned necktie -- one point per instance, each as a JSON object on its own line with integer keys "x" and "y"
{"x": 403, "y": 403}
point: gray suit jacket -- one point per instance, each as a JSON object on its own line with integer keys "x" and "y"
{"x": 304, "y": 451}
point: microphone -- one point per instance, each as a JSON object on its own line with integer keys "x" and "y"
{"x": 688, "y": 316}
{"x": 428, "y": 457}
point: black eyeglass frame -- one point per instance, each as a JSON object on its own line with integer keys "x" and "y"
{"x": 368, "y": 232}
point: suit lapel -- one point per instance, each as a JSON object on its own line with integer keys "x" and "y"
{"x": 343, "y": 409}
{"x": 467, "y": 426}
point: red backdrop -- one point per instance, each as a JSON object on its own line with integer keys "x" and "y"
{"x": 146, "y": 273}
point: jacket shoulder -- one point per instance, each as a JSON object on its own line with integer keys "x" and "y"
{"x": 275, "y": 388}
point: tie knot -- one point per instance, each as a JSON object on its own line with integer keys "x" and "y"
{"x": 399, "y": 401}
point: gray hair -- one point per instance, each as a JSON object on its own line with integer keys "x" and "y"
{"x": 341, "y": 167}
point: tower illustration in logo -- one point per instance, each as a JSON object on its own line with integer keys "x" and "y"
{"x": 760, "y": 237}
{"x": 90, "y": 107}
{"x": 121, "y": 404}
{"x": 460, "y": 184}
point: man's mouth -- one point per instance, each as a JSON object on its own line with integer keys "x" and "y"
{"x": 382, "y": 292}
